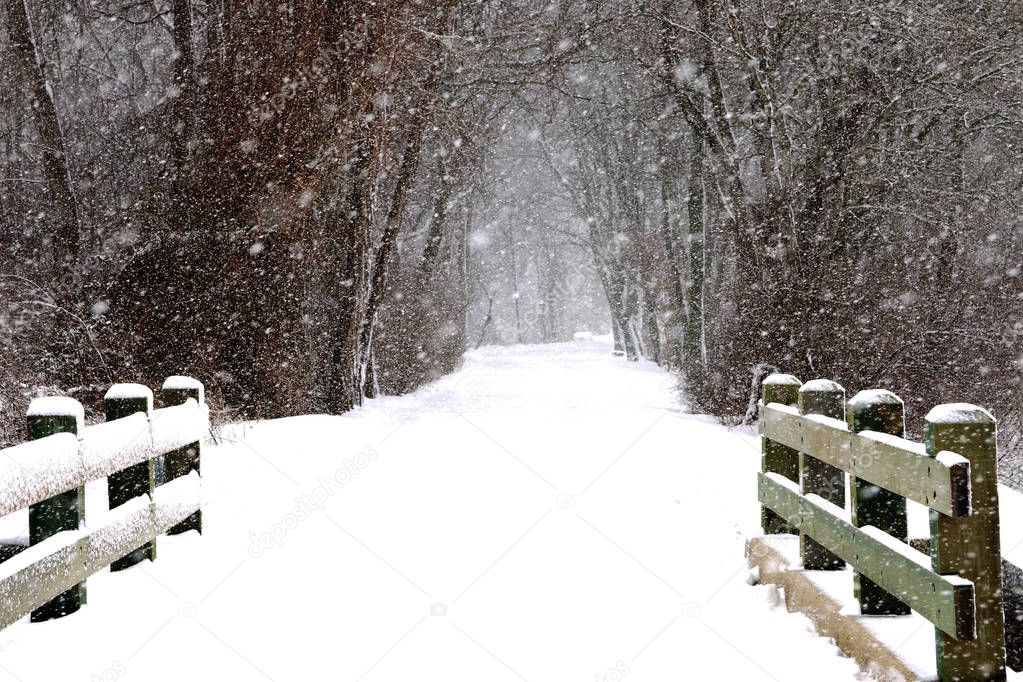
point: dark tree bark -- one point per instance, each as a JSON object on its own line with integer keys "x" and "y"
{"x": 351, "y": 248}
{"x": 392, "y": 227}
{"x": 693, "y": 336}
{"x": 55, "y": 163}
{"x": 181, "y": 108}
{"x": 678, "y": 329}
{"x": 438, "y": 222}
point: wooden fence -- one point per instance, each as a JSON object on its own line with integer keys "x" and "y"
{"x": 148, "y": 457}
{"x": 812, "y": 439}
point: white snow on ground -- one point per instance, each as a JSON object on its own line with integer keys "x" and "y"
{"x": 546, "y": 513}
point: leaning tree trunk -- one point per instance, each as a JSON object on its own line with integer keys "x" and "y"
{"x": 58, "y": 190}
{"x": 378, "y": 282}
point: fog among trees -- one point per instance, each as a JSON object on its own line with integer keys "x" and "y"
{"x": 306, "y": 204}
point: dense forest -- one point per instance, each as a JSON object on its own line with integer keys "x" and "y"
{"x": 307, "y": 203}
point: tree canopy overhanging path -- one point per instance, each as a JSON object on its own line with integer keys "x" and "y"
{"x": 546, "y": 513}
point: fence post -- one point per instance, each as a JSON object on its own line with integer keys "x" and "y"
{"x": 124, "y": 400}
{"x": 872, "y": 505}
{"x": 175, "y": 391}
{"x": 66, "y": 511}
{"x": 969, "y": 546}
{"x": 827, "y": 398}
{"x": 778, "y": 458}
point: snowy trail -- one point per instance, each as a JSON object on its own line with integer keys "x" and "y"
{"x": 547, "y": 513}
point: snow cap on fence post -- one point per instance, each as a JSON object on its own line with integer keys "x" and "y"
{"x": 775, "y": 457}
{"x": 55, "y": 414}
{"x": 969, "y": 546}
{"x": 177, "y": 390}
{"x": 124, "y": 400}
{"x": 781, "y": 385}
{"x": 881, "y": 411}
{"x": 826, "y": 398}
{"x": 66, "y": 511}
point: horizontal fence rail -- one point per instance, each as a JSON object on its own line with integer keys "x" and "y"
{"x": 39, "y": 469}
{"x": 945, "y": 600}
{"x": 150, "y": 458}
{"x": 902, "y": 466}
{"x": 816, "y": 448}
{"x": 32, "y": 578}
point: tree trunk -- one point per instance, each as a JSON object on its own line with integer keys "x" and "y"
{"x": 651, "y": 329}
{"x": 632, "y": 321}
{"x": 181, "y": 124}
{"x": 350, "y": 247}
{"x": 625, "y": 334}
{"x": 378, "y": 284}
{"x": 438, "y": 221}
{"x": 693, "y": 355}
{"x": 67, "y": 228}
{"x": 678, "y": 329}
{"x": 513, "y": 252}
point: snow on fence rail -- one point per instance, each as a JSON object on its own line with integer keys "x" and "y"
{"x": 150, "y": 458}
{"x": 811, "y": 439}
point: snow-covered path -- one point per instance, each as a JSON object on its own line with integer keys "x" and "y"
{"x": 547, "y": 513}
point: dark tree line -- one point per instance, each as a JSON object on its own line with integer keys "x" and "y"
{"x": 829, "y": 189}
{"x": 273, "y": 196}
{"x": 307, "y": 203}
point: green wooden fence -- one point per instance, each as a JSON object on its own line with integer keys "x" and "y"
{"x": 812, "y": 441}
{"x": 147, "y": 496}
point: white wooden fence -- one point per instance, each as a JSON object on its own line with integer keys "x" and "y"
{"x": 150, "y": 458}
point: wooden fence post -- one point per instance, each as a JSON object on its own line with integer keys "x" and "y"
{"x": 872, "y": 505}
{"x": 176, "y": 390}
{"x": 124, "y": 400}
{"x": 827, "y": 398}
{"x": 66, "y": 511}
{"x": 969, "y": 546}
{"x": 778, "y": 458}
